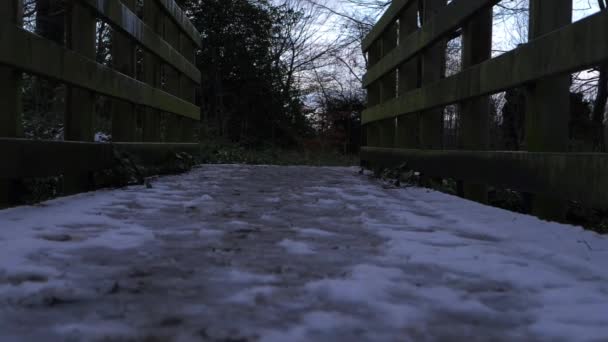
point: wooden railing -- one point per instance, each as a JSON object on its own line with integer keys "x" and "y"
{"x": 166, "y": 87}
{"x": 407, "y": 91}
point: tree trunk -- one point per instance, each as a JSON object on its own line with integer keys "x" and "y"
{"x": 599, "y": 108}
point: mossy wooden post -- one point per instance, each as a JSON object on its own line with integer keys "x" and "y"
{"x": 548, "y": 101}
{"x": 433, "y": 66}
{"x": 475, "y": 113}
{"x": 152, "y": 72}
{"x": 124, "y": 119}
{"x": 187, "y": 87}
{"x": 172, "y": 81}
{"x": 406, "y": 134}
{"x": 372, "y": 130}
{"x": 388, "y": 87}
{"x": 80, "y": 103}
{"x": 10, "y": 94}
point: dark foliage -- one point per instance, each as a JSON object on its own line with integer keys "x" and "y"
{"x": 245, "y": 95}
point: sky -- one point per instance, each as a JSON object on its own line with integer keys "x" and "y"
{"x": 505, "y": 38}
{"x": 507, "y": 33}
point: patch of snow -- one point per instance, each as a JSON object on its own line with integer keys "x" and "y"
{"x": 240, "y": 276}
{"x": 366, "y": 283}
{"x": 273, "y": 199}
{"x": 311, "y": 325}
{"x": 96, "y": 330}
{"x": 198, "y": 201}
{"x": 296, "y": 247}
{"x": 210, "y": 233}
{"x": 252, "y": 295}
{"x": 389, "y": 264}
{"x": 314, "y": 232}
{"x": 238, "y": 223}
{"x": 102, "y": 137}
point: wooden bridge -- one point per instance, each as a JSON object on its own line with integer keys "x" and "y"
{"x": 291, "y": 253}
{"x": 407, "y": 92}
{"x": 166, "y": 88}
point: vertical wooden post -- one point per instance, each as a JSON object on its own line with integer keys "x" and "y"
{"x": 152, "y": 73}
{"x": 475, "y": 113}
{"x": 433, "y": 62}
{"x": 80, "y": 103}
{"x": 372, "y": 130}
{"x": 606, "y": 135}
{"x": 406, "y": 134}
{"x": 124, "y": 119}
{"x": 187, "y": 86}
{"x": 10, "y": 79}
{"x": 388, "y": 88}
{"x": 50, "y": 20}
{"x": 548, "y": 101}
{"x": 172, "y": 81}
{"x": 10, "y": 95}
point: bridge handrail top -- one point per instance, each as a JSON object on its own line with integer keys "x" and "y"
{"x": 389, "y": 16}
{"x": 183, "y": 22}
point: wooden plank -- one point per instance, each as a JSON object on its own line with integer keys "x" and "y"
{"x": 122, "y": 18}
{"x": 44, "y": 158}
{"x": 124, "y": 116}
{"x": 436, "y": 28}
{"x": 80, "y": 103}
{"x": 172, "y": 82}
{"x": 542, "y": 173}
{"x": 475, "y": 113}
{"x": 374, "y": 97}
{"x": 37, "y": 158}
{"x": 151, "y": 128}
{"x": 179, "y": 17}
{"x": 433, "y": 69}
{"x": 171, "y": 34}
{"x": 576, "y": 47}
{"x": 388, "y": 18}
{"x": 10, "y": 78}
{"x": 10, "y": 98}
{"x": 157, "y": 153}
{"x": 36, "y": 55}
{"x": 406, "y": 130}
{"x": 388, "y": 88}
{"x": 548, "y": 102}
{"x": 188, "y": 88}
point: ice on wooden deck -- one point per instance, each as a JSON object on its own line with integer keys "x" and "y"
{"x": 293, "y": 254}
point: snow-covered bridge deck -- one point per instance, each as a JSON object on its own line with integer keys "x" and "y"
{"x": 236, "y": 253}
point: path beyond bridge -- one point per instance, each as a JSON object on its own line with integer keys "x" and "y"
{"x": 247, "y": 253}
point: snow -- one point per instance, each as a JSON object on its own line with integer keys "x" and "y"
{"x": 294, "y": 254}
{"x": 295, "y": 247}
{"x": 313, "y": 232}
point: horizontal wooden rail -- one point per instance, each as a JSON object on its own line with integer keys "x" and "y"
{"x": 540, "y": 173}
{"x": 31, "y": 53}
{"x": 156, "y": 153}
{"x": 43, "y": 158}
{"x": 572, "y": 48}
{"x": 389, "y": 17}
{"x": 180, "y": 18}
{"x": 448, "y": 20}
{"x": 122, "y": 18}
{"x": 34, "y": 158}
